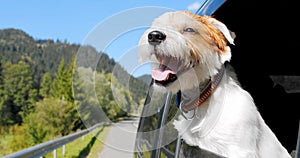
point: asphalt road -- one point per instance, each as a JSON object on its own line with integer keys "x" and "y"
{"x": 120, "y": 140}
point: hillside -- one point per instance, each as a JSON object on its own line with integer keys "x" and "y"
{"x": 44, "y": 55}
{"x": 146, "y": 79}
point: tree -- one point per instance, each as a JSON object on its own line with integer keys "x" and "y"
{"x": 35, "y": 127}
{"x": 71, "y": 72}
{"x": 85, "y": 98}
{"x": 46, "y": 85}
{"x": 18, "y": 91}
{"x": 113, "y": 107}
{"x": 62, "y": 84}
{"x": 76, "y": 88}
{"x": 5, "y": 110}
{"x": 52, "y": 118}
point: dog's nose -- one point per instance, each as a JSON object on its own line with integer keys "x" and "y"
{"x": 156, "y": 37}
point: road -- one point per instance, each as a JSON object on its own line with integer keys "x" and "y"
{"x": 120, "y": 140}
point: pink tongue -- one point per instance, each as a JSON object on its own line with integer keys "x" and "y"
{"x": 160, "y": 75}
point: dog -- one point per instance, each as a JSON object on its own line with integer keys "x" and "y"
{"x": 190, "y": 56}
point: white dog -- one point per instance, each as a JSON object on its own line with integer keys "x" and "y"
{"x": 189, "y": 54}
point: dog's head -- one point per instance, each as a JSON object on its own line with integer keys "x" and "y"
{"x": 186, "y": 49}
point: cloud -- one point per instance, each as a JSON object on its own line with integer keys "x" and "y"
{"x": 194, "y": 6}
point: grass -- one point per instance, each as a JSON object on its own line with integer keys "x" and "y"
{"x": 4, "y": 143}
{"x": 88, "y": 146}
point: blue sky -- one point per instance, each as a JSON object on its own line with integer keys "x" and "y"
{"x": 75, "y": 20}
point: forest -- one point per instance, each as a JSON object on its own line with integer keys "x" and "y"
{"x": 45, "y": 95}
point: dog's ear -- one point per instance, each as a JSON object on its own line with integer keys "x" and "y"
{"x": 225, "y": 56}
{"x": 229, "y": 35}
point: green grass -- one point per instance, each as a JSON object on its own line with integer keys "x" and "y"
{"x": 89, "y": 147}
{"x": 4, "y": 143}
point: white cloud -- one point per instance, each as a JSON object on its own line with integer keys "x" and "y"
{"x": 194, "y": 6}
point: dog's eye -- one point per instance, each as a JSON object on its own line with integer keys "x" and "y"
{"x": 189, "y": 30}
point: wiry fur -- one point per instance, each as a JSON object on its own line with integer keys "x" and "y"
{"x": 228, "y": 123}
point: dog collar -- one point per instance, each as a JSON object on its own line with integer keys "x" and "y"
{"x": 204, "y": 95}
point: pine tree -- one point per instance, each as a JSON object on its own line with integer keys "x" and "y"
{"x": 58, "y": 87}
{"x": 71, "y": 72}
{"x": 85, "y": 99}
{"x": 62, "y": 84}
{"x": 5, "y": 110}
{"x": 46, "y": 85}
{"x": 18, "y": 91}
{"x": 73, "y": 85}
{"x": 62, "y": 90}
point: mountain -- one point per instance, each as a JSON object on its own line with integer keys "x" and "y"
{"x": 145, "y": 78}
{"x": 44, "y": 55}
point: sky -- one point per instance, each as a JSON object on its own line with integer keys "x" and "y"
{"x": 113, "y": 27}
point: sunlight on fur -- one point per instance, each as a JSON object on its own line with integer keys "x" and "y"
{"x": 188, "y": 52}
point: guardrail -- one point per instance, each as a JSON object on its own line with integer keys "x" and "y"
{"x": 43, "y": 148}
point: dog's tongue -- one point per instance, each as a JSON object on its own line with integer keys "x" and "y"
{"x": 161, "y": 75}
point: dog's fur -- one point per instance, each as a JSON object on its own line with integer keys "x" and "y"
{"x": 228, "y": 123}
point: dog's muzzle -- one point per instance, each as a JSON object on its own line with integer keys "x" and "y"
{"x": 156, "y": 37}
{"x": 164, "y": 74}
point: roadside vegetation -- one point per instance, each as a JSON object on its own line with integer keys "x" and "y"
{"x": 88, "y": 146}
{"x": 44, "y": 94}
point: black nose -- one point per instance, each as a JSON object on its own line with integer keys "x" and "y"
{"x": 156, "y": 37}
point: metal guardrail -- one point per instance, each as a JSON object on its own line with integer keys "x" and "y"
{"x": 43, "y": 148}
